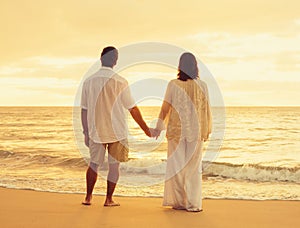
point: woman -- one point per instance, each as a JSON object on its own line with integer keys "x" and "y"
{"x": 187, "y": 106}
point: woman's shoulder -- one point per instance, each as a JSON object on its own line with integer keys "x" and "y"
{"x": 201, "y": 83}
{"x": 178, "y": 82}
{"x": 172, "y": 82}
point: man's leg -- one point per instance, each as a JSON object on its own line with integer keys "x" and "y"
{"x": 117, "y": 152}
{"x": 97, "y": 153}
{"x": 112, "y": 179}
{"x": 91, "y": 178}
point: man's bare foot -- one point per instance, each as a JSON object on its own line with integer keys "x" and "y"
{"x": 111, "y": 203}
{"x": 87, "y": 201}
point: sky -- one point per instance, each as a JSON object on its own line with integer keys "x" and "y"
{"x": 252, "y": 48}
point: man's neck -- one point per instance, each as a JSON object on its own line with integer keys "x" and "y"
{"x": 107, "y": 66}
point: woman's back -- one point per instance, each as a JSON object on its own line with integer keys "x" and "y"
{"x": 190, "y": 112}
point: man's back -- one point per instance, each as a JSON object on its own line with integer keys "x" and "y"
{"x": 106, "y": 96}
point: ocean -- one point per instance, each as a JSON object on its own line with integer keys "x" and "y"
{"x": 257, "y": 157}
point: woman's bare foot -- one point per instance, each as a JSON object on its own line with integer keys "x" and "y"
{"x": 178, "y": 208}
{"x": 194, "y": 210}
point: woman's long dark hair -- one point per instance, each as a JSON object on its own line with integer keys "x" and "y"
{"x": 187, "y": 68}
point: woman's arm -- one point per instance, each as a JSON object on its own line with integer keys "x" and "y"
{"x": 208, "y": 115}
{"x": 162, "y": 116}
{"x": 164, "y": 110}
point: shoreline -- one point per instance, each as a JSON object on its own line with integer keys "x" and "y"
{"x": 145, "y": 197}
{"x": 30, "y": 208}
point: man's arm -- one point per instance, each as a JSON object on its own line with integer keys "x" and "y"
{"x": 137, "y": 116}
{"x": 85, "y": 126}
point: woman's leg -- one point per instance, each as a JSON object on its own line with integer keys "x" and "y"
{"x": 193, "y": 175}
{"x": 174, "y": 194}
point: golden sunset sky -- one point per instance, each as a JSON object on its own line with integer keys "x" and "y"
{"x": 252, "y": 48}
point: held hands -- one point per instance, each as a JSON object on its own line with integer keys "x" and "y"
{"x": 154, "y": 133}
{"x": 151, "y": 132}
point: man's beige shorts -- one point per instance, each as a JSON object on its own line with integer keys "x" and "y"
{"x": 117, "y": 152}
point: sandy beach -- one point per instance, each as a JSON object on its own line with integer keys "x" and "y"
{"x": 25, "y": 208}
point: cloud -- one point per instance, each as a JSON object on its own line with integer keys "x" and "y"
{"x": 68, "y": 28}
{"x": 38, "y": 83}
{"x": 260, "y": 93}
{"x": 287, "y": 61}
{"x": 47, "y": 46}
{"x": 297, "y": 21}
{"x": 229, "y": 45}
{"x": 58, "y": 62}
{"x": 262, "y": 56}
{"x": 37, "y": 91}
{"x": 10, "y": 70}
{"x": 47, "y": 67}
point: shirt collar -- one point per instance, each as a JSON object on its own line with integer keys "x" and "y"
{"x": 106, "y": 67}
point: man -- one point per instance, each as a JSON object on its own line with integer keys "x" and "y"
{"x": 105, "y": 98}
